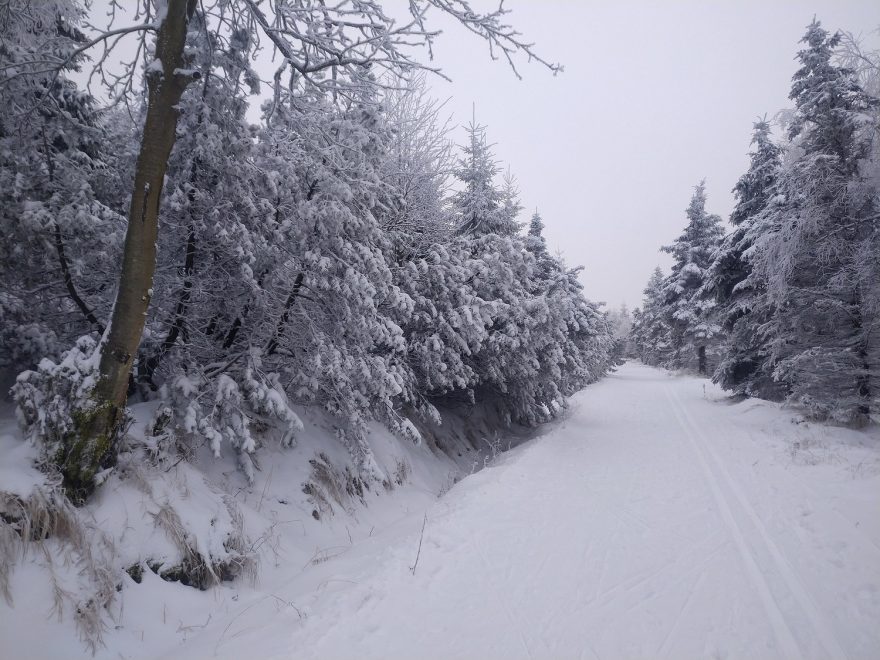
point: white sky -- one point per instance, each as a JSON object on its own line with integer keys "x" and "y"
{"x": 655, "y": 96}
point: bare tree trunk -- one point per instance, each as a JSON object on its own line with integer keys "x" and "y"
{"x": 92, "y": 444}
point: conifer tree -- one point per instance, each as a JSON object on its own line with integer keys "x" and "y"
{"x": 687, "y": 311}
{"x": 819, "y": 242}
{"x": 651, "y": 332}
{"x": 510, "y": 207}
{"x": 56, "y": 229}
{"x": 479, "y": 205}
{"x": 743, "y": 307}
{"x": 537, "y": 245}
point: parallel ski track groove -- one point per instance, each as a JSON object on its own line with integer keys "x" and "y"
{"x": 794, "y": 584}
{"x": 784, "y": 636}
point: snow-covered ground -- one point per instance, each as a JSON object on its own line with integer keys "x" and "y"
{"x": 657, "y": 520}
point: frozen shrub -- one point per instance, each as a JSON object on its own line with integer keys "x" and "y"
{"x": 52, "y": 403}
{"x": 227, "y": 409}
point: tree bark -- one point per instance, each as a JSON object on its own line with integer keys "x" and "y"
{"x": 62, "y": 257}
{"x": 93, "y": 440}
{"x": 70, "y": 286}
{"x": 285, "y": 316}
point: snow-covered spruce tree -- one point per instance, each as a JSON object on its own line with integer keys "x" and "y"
{"x": 651, "y": 332}
{"x": 743, "y": 307}
{"x": 55, "y": 230}
{"x": 818, "y": 245}
{"x": 692, "y": 329}
{"x": 481, "y": 206}
{"x": 537, "y": 245}
{"x": 634, "y": 335}
{"x": 590, "y": 341}
{"x": 548, "y": 340}
{"x": 510, "y": 204}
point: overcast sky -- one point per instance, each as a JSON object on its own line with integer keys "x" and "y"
{"x": 655, "y": 96}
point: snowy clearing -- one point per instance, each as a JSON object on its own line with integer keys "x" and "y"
{"x": 657, "y": 520}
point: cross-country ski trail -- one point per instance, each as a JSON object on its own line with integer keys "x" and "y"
{"x": 658, "y": 519}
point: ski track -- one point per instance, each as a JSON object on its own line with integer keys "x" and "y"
{"x": 795, "y": 585}
{"x": 637, "y": 527}
{"x": 781, "y": 630}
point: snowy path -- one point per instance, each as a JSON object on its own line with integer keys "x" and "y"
{"x": 652, "y": 522}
